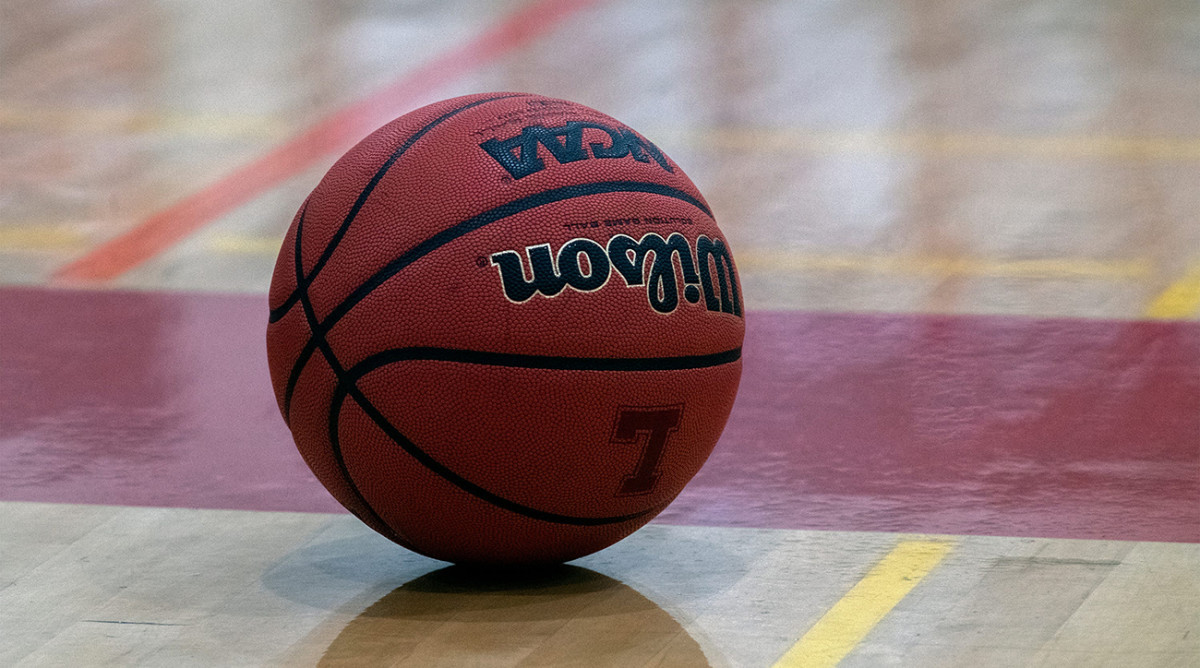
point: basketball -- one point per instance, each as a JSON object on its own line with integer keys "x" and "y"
{"x": 505, "y": 329}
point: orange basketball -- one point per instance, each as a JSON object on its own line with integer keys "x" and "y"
{"x": 505, "y": 329}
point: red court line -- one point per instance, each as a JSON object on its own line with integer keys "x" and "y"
{"x": 903, "y": 423}
{"x": 333, "y": 135}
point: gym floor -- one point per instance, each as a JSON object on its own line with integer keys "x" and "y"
{"x": 968, "y": 432}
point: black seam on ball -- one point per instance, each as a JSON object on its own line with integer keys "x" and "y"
{"x": 454, "y": 232}
{"x": 486, "y": 358}
{"x": 300, "y": 295}
{"x": 339, "y": 372}
{"x": 303, "y": 284}
{"x": 348, "y": 385}
{"x": 347, "y": 382}
{"x": 278, "y": 312}
{"x": 448, "y": 474}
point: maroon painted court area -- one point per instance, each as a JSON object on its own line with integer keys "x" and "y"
{"x": 909, "y": 423}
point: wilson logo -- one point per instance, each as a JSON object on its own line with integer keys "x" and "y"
{"x": 586, "y": 266}
{"x": 519, "y": 154}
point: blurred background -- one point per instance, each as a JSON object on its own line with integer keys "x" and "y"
{"x": 1031, "y": 158}
{"x": 967, "y": 235}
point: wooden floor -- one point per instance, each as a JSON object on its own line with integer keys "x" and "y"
{"x": 108, "y": 585}
{"x": 967, "y": 233}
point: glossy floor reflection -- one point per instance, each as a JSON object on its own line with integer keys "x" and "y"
{"x": 961, "y": 425}
{"x": 105, "y": 585}
{"x": 549, "y": 617}
{"x": 859, "y": 158}
{"x": 967, "y": 241}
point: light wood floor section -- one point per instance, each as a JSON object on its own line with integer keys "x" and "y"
{"x": 93, "y": 585}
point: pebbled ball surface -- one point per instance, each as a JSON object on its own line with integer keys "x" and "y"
{"x": 482, "y": 418}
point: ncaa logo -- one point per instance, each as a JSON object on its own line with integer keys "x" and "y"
{"x": 519, "y": 155}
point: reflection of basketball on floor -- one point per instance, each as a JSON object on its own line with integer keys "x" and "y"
{"x": 454, "y": 617}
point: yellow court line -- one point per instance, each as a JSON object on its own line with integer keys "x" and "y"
{"x": 1180, "y": 300}
{"x": 237, "y": 244}
{"x": 134, "y": 121}
{"x": 800, "y": 140}
{"x": 758, "y": 139}
{"x": 1064, "y": 267}
{"x": 853, "y": 617}
{"x": 49, "y": 237}
{"x": 759, "y": 259}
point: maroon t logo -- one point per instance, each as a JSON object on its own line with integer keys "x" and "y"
{"x": 649, "y": 427}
